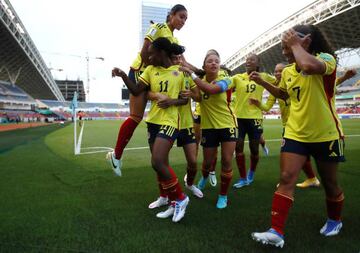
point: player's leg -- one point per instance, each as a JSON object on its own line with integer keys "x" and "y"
{"x": 292, "y": 159}
{"x": 169, "y": 181}
{"x": 191, "y": 170}
{"x": 240, "y": 155}
{"x": 227, "y": 151}
{"x": 263, "y": 145}
{"x": 255, "y": 133}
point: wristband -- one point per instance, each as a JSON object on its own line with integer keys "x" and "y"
{"x": 193, "y": 76}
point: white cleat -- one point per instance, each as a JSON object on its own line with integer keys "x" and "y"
{"x": 167, "y": 213}
{"x": 195, "y": 191}
{"x": 185, "y": 178}
{"x": 266, "y": 150}
{"x": 115, "y": 163}
{"x": 269, "y": 237}
{"x": 212, "y": 178}
{"x": 180, "y": 208}
{"x": 161, "y": 201}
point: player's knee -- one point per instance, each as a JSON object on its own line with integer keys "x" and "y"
{"x": 286, "y": 178}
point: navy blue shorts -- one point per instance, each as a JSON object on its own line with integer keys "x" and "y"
{"x": 197, "y": 119}
{"x": 162, "y": 131}
{"x": 186, "y": 136}
{"x": 251, "y": 127}
{"x": 328, "y": 151}
{"x": 213, "y": 137}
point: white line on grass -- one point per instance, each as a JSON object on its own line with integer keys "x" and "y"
{"x": 78, "y": 146}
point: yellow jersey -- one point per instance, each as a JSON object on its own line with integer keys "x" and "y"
{"x": 216, "y": 112}
{"x": 155, "y": 31}
{"x": 284, "y": 107}
{"x": 168, "y": 81}
{"x": 246, "y": 89}
{"x": 185, "y": 115}
{"x": 313, "y": 116}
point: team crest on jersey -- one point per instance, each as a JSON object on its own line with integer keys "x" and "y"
{"x": 157, "y": 74}
{"x": 175, "y": 73}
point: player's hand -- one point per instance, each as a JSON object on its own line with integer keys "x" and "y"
{"x": 185, "y": 94}
{"x": 164, "y": 103}
{"x": 255, "y": 76}
{"x": 185, "y": 70}
{"x": 117, "y": 72}
{"x": 291, "y": 37}
{"x": 254, "y": 101}
{"x": 349, "y": 73}
{"x": 161, "y": 97}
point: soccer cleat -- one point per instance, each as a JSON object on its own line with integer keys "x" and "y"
{"x": 266, "y": 150}
{"x": 241, "y": 183}
{"x": 115, "y": 163}
{"x": 221, "y": 202}
{"x": 310, "y": 182}
{"x": 167, "y": 213}
{"x": 161, "y": 201}
{"x": 202, "y": 183}
{"x": 250, "y": 176}
{"x": 269, "y": 237}
{"x": 180, "y": 208}
{"x": 195, "y": 191}
{"x": 331, "y": 228}
{"x": 212, "y": 178}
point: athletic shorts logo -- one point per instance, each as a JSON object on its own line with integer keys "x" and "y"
{"x": 283, "y": 142}
{"x": 203, "y": 140}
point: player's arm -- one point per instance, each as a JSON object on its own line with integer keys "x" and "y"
{"x": 193, "y": 93}
{"x": 307, "y": 62}
{"x": 347, "y": 75}
{"x": 145, "y": 51}
{"x": 164, "y": 103}
{"x": 155, "y": 96}
{"x": 264, "y": 107}
{"x": 274, "y": 90}
{"x": 135, "y": 89}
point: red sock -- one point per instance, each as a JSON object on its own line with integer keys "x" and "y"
{"x": 279, "y": 211}
{"x": 205, "y": 173}
{"x": 162, "y": 191}
{"x": 240, "y": 161}
{"x": 191, "y": 173}
{"x": 126, "y": 131}
{"x": 254, "y": 159}
{"x": 334, "y": 207}
{"x": 172, "y": 187}
{"x": 225, "y": 181}
{"x": 213, "y": 164}
{"x": 308, "y": 170}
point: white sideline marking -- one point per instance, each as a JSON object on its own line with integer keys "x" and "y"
{"x": 78, "y": 146}
{"x": 107, "y": 149}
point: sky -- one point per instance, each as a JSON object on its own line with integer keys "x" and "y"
{"x": 64, "y": 31}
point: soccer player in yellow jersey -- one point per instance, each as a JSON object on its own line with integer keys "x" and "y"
{"x": 175, "y": 21}
{"x": 218, "y": 123}
{"x": 249, "y": 118}
{"x": 162, "y": 77}
{"x": 313, "y": 127}
{"x": 284, "y": 109}
{"x": 185, "y": 139}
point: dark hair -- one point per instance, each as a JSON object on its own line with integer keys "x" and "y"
{"x": 210, "y": 52}
{"x": 258, "y": 60}
{"x": 319, "y": 42}
{"x": 170, "y": 48}
{"x": 226, "y": 69}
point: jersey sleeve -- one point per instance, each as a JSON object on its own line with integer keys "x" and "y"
{"x": 330, "y": 62}
{"x": 282, "y": 84}
{"x": 269, "y": 103}
{"x": 145, "y": 76}
{"x": 155, "y": 31}
{"x": 269, "y": 78}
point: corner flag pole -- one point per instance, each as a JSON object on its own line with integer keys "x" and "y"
{"x": 74, "y": 105}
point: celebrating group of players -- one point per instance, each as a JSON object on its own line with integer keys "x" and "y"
{"x": 229, "y": 108}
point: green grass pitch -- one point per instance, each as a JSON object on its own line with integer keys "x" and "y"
{"x": 53, "y": 201}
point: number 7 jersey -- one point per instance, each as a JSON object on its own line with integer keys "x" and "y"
{"x": 313, "y": 116}
{"x": 167, "y": 81}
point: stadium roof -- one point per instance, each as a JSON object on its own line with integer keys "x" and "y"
{"x": 20, "y": 61}
{"x": 339, "y": 19}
